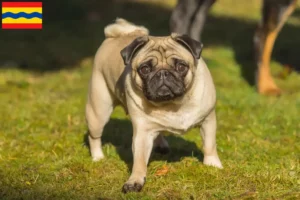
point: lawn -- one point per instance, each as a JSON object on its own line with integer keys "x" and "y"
{"x": 43, "y": 88}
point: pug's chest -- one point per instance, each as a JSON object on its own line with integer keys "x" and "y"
{"x": 179, "y": 122}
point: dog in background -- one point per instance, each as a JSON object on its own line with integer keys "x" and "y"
{"x": 189, "y": 17}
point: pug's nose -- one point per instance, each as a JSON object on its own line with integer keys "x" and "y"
{"x": 162, "y": 74}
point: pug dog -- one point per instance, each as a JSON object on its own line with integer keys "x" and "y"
{"x": 162, "y": 83}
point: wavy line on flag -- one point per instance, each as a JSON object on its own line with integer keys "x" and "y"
{"x": 21, "y": 14}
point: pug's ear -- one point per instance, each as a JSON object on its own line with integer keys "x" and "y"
{"x": 193, "y": 46}
{"x": 129, "y": 51}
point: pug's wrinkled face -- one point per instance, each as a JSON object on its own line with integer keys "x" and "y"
{"x": 162, "y": 67}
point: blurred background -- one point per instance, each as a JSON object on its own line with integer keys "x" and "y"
{"x": 44, "y": 77}
{"x": 73, "y": 30}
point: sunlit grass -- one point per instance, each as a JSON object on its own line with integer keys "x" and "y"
{"x": 42, "y": 127}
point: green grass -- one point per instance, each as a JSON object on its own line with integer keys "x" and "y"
{"x": 42, "y": 124}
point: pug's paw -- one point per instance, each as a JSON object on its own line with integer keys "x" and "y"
{"x": 129, "y": 187}
{"x": 213, "y": 161}
{"x": 133, "y": 185}
{"x": 97, "y": 158}
{"x": 97, "y": 155}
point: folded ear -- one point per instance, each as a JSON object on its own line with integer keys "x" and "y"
{"x": 129, "y": 51}
{"x": 190, "y": 44}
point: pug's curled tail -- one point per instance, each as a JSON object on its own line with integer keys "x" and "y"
{"x": 122, "y": 27}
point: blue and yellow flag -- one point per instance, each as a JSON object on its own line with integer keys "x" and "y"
{"x": 22, "y": 15}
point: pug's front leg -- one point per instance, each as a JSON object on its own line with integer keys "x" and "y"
{"x": 208, "y": 134}
{"x": 141, "y": 147}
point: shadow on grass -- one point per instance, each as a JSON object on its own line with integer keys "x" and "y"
{"x": 75, "y": 32}
{"x": 119, "y": 133}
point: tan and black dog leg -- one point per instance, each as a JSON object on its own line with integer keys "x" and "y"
{"x": 189, "y": 16}
{"x": 275, "y": 13}
{"x": 199, "y": 20}
{"x": 181, "y": 17}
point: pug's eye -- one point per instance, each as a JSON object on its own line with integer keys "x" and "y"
{"x": 145, "y": 69}
{"x": 181, "y": 67}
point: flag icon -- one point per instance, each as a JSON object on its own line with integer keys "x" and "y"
{"x": 22, "y": 15}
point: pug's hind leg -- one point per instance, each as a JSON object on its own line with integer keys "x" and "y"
{"x": 98, "y": 110}
{"x": 208, "y": 134}
{"x": 161, "y": 145}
